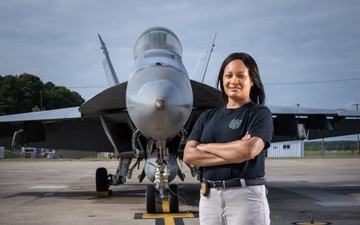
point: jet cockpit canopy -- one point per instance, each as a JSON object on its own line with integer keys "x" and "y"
{"x": 157, "y": 38}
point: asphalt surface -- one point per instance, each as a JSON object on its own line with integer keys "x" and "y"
{"x": 63, "y": 192}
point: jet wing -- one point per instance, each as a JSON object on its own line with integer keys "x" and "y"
{"x": 312, "y": 123}
{"x": 111, "y": 100}
{"x": 57, "y": 129}
{"x": 76, "y": 128}
{"x": 80, "y": 128}
{"x": 57, "y": 114}
{"x": 300, "y": 111}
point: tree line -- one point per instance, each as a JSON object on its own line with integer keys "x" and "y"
{"x": 27, "y": 93}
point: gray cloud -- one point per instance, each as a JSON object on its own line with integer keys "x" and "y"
{"x": 302, "y": 47}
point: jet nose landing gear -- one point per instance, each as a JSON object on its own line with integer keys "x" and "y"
{"x": 172, "y": 199}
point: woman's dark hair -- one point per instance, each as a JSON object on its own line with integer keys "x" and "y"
{"x": 257, "y": 93}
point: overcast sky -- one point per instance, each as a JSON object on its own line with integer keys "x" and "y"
{"x": 308, "y": 51}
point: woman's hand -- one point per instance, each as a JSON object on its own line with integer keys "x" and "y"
{"x": 202, "y": 147}
{"x": 246, "y": 137}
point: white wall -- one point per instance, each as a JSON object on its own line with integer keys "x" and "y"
{"x": 286, "y": 149}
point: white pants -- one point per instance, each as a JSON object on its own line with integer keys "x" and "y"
{"x": 236, "y": 205}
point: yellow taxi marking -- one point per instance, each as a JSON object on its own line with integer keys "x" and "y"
{"x": 165, "y": 206}
{"x": 311, "y": 223}
{"x": 169, "y": 218}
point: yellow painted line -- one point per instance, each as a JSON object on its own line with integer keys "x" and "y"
{"x": 165, "y": 206}
{"x": 169, "y": 218}
{"x": 167, "y": 215}
{"x": 311, "y": 223}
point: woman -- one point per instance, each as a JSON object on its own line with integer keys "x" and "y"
{"x": 227, "y": 143}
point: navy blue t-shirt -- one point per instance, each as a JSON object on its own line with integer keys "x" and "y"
{"x": 221, "y": 125}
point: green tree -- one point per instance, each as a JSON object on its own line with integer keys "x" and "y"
{"x": 29, "y": 87}
{"x": 8, "y": 95}
{"x": 56, "y": 97}
{"x": 26, "y": 93}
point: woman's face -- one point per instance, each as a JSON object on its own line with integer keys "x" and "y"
{"x": 237, "y": 82}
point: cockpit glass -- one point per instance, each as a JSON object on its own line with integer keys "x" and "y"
{"x": 157, "y": 38}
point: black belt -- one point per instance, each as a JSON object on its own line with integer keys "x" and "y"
{"x": 235, "y": 183}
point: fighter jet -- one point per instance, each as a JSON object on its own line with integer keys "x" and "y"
{"x": 148, "y": 118}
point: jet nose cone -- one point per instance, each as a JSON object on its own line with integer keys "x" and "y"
{"x": 159, "y": 103}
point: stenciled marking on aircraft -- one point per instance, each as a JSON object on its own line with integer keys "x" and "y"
{"x": 165, "y": 217}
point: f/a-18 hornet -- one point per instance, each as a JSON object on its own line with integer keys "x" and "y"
{"x": 149, "y": 116}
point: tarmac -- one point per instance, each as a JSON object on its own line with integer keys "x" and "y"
{"x": 301, "y": 191}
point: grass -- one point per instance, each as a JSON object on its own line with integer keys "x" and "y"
{"x": 332, "y": 154}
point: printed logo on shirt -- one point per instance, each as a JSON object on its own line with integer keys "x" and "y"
{"x": 235, "y": 123}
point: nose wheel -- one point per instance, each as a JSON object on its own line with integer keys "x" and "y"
{"x": 150, "y": 196}
{"x": 173, "y": 197}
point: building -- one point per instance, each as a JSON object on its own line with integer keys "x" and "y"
{"x": 31, "y": 152}
{"x": 286, "y": 149}
{"x": 2, "y": 152}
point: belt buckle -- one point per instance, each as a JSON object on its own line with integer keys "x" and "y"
{"x": 216, "y": 186}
